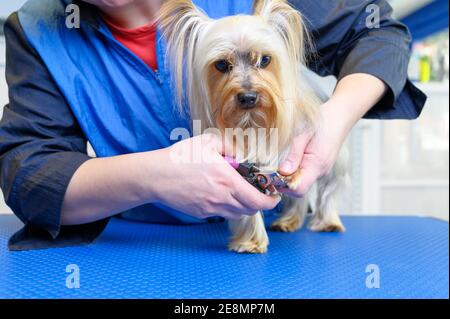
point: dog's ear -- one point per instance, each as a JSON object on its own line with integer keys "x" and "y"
{"x": 178, "y": 15}
{"x": 257, "y": 6}
{"x": 288, "y": 23}
{"x": 181, "y": 23}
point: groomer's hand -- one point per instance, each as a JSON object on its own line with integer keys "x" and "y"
{"x": 315, "y": 154}
{"x": 193, "y": 177}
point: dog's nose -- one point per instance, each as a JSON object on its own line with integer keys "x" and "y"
{"x": 247, "y": 100}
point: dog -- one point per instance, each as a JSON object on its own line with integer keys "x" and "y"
{"x": 245, "y": 71}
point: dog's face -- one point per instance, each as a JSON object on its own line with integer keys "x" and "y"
{"x": 241, "y": 68}
{"x": 240, "y": 71}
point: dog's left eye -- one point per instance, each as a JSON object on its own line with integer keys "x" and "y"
{"x": 223, "y": 66}
{"x": 265, "y": 61}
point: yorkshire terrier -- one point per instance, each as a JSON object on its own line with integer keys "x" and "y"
{"x": 245, "y": 71}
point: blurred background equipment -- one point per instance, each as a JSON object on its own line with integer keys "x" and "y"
{"x": 398, "y": 167}
{"x": 404, "y": 166}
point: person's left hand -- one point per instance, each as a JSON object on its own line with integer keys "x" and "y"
{"x": 313, "y": 155}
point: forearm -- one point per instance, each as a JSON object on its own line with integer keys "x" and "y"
{"x": 175, "y": 176}
{"x": 103, "y": 187}
{"x": 353, "y": 97}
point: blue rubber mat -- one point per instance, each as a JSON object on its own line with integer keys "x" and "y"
{"x": 132, "y": 260}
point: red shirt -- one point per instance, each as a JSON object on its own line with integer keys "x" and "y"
{"x": 141, "y": 41}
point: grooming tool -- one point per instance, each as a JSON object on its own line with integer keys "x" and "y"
{"x": 268, "y": 182}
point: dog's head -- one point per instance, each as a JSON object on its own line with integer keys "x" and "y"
{"x": 239, "y": 71}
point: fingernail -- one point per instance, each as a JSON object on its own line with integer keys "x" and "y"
{"x": 287, "y": 166}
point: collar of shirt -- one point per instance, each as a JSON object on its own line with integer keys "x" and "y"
{"x": 141, "y": 41}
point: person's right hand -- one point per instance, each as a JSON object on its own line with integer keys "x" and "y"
{"x": 193, "y": 177}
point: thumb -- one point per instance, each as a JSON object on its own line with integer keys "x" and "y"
{"x": 220, "y": 144}
{"x": 295, "y": 156}
{"x": 212, "y": 144}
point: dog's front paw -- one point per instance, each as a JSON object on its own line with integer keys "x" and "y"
{"x": 293, "y": 181}
{"x": 286, "y": 225}
{"x": 251, "y": 246}
{"x": 323, "y": 225}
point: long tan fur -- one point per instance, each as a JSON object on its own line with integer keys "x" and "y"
{"x": 196, "y": 43}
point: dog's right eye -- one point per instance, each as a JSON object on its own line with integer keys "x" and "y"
{"x": 223, "y": 66}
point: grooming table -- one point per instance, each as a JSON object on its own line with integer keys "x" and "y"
{"x": 133, "y": 260}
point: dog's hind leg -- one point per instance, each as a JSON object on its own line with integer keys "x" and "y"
{"x": 326, "y": 217}
{"x": 249, "y": 235}
{"x": 292, "y": 216}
